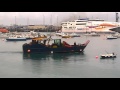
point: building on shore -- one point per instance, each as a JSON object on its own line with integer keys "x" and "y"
{"x": 37, "y": 28}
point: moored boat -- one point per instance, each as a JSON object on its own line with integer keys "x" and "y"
{"x": 66, "y": 36}
{"x": 92, "y": 34}
{"x": 116, "y": 35}
{"x": 59, "y": 33}
{"x": 41, "y": 45}
{"x": 74, "y": 35}
{"x": 95, "y": 34}
{"x": 108, "y": 56}
{"x": 5, "y": 35}
{"x": 111, "y": 37}
{"x": 16, "y": 38}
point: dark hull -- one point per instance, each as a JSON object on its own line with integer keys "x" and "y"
{"x": 95, "y": 35}
{"x": 29, "y": 38}
{"x": 16, "y": 39}
{"x": 103, "y": 57}
{"x": 116, "y": 29}
{"x": 111, "y": 38}
{"x": 75, "y": 36}
{"x": 44, "y": 49}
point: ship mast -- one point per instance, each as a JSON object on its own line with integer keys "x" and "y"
{"x": 57, "y": 20}
{"x": 117, "y": 17}
{"x": 43, "y": 20}
{"x": 27, "y": 23}
{"x": 15, "y": 23}
{"x": 51, "y": 22}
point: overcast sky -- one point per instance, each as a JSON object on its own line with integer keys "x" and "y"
{"x": 24, "y": 18}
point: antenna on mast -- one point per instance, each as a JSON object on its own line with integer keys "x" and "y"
{"x": 51, "y": 22}
{"x": 15, "y": 23}
{"x": 15, "y": 20}
{"x": 27, "y": 21}
{"x": 43, "y": 20}
{"x": 74, "y": 17}
{"x": 117, "y": 17}
{"x": 57, "y": 20}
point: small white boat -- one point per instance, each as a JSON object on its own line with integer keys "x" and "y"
{"x": 87, "y": 34}
{"x": 111, "y": 37}
{"x": 74, "y": 35}
{"x": 92, "y": 34}
{"x": 4, "y": 35}
{"x": 59, "y": 33}
{"x": 16, "y": 38}
{"x": 108, "y": 56}
{"x": 95, "y": 34}
{"x": 66, "y": 36}
{"x": 116, "y": 35}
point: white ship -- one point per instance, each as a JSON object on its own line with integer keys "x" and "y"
{"x": 87, "y": 25}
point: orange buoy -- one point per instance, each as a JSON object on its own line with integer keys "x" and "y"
{"x": 96, "y": 56}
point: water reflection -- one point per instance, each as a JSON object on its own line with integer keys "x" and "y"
{"x": 55, "y": 56}
{"x": 108, "y": 60}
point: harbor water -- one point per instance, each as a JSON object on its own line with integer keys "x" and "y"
{"x": 15, "y": 64}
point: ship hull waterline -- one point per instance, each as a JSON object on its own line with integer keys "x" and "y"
{"x": 36, "y": 49}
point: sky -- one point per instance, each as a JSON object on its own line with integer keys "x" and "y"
{"x": 48, "y": 18}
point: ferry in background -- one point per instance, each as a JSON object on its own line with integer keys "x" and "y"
{"x": 90, "y": 25}
{"x": 87, "y": 25}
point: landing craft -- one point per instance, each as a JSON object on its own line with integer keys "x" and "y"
{"x": 41, "y": 45}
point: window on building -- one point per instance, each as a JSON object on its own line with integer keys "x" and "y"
{"x": 80, "y": 21}
{"x": 81, "y": 24}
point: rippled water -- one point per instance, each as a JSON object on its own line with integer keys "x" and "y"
{"x": 15, "y": 64}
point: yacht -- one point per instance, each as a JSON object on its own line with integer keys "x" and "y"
{"x": 74, "y": 35}
{"x": 117, "y": 35}
{"x": 92, "y": 34}
{"x": 16, "y": 38}
{"x": 111, "y": 37}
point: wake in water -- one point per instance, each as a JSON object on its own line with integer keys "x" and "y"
{"x": 11, "y": 52}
